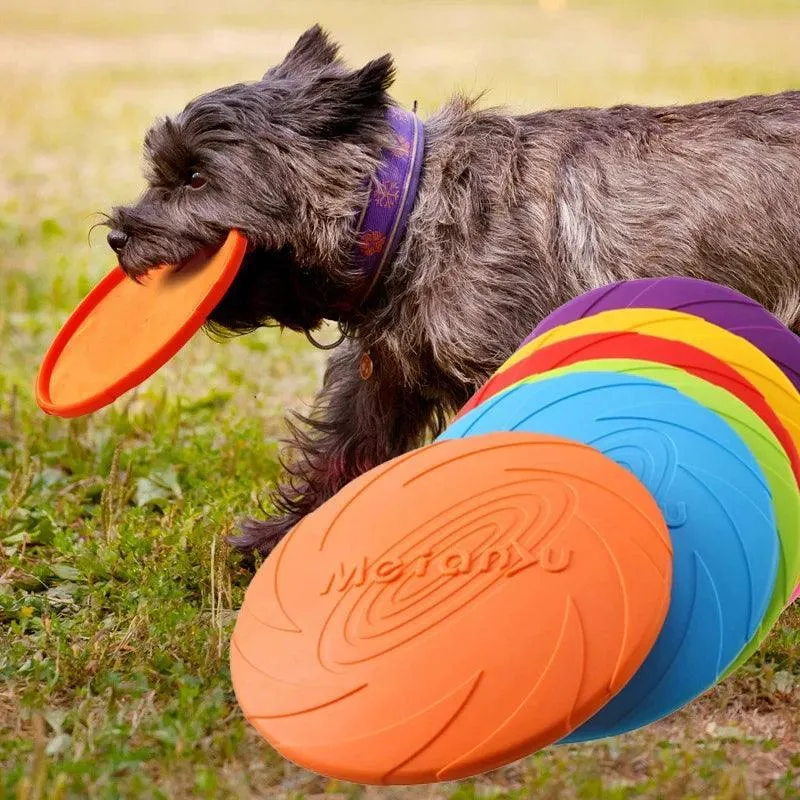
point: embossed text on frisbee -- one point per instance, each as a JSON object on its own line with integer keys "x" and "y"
{"x": 509, "y": 560}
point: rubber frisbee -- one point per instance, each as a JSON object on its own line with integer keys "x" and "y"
{"x": 711, "y": 301}
{"x": 124, "y": 331}
{"x": 453, "y": 610}
{"x": 714, "y": 498}
{"x": 649, "y": 348}
{"x": 768, "y": 452}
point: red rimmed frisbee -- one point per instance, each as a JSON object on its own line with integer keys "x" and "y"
{"x": 453, "y": 610}
{"x": 626, "y": 344}
{"x": 124, "y": 331}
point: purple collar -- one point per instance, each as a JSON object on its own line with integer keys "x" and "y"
{"x": 382, "y": 223}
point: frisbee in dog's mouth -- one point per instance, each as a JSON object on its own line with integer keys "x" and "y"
{"x": 125, "y": 331}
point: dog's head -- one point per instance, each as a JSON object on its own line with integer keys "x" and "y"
{"x": 284, "y": 160}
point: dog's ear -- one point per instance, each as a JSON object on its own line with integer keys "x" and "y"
{"x": 313, "y": 51}
{"x": 341, "y": 103}
{"x": 366, "y": 87}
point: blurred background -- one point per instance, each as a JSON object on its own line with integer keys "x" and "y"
{"x": 117, "y": 591}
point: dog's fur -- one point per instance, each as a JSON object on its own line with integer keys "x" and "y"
{"x": 514, "y": 216}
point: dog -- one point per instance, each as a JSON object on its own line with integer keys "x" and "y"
{"x": 509, "y": 217}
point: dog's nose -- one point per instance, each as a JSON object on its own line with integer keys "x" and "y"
{"x": 117, "y": 240}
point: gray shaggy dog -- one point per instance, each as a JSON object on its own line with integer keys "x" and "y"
{"x": 514, "y": 215}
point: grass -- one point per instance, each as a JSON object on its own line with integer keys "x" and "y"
{"x": 117, "y": 591}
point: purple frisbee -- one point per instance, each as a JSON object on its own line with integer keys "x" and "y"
{"x": 712, "y": 302}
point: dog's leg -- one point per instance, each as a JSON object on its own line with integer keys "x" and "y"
{"x": 355, "y": 424}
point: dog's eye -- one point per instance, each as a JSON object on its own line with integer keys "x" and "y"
{"x": 196, "y": 180}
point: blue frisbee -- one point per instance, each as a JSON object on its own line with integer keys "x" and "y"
{"x": 716, "y": 503}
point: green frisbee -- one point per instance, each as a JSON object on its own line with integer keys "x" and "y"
{"x": 763, "y": 445}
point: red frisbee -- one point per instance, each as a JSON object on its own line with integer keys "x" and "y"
{"x": 625, "y": 344}
{"x": 453, "y": 610}
{"x": 124, "y": 331}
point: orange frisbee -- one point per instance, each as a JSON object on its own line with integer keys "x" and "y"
{"x": 453, "y": 610}
{"x": 124, "y": 331}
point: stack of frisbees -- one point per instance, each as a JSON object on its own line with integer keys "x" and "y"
{"x": 607, "y": 529}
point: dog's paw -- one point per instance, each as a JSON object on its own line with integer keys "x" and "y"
{"x": 262, "y": 535}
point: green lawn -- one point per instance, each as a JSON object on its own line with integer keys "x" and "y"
{"x": 117, "y": 591}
